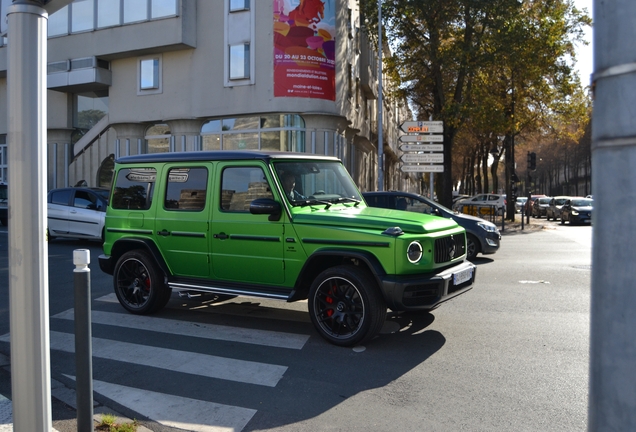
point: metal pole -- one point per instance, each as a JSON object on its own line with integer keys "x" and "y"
{"x": 380, "y": 138}
{"x": 612, "y": 400}
{"x": 28, "y": 250}
{"x": 83, "y": 347}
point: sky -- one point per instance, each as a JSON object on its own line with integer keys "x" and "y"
{"x": 585, "y": 63}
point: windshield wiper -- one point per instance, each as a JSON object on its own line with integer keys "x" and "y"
{"x": 309, "y": 202}
{"x": 347, "y": 199}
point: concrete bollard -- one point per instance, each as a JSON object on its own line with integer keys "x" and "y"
{"x": 83, "y": 334}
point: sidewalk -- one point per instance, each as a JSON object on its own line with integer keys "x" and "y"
{"x": 528, "y": 226}
{"x": 63, "y": 406}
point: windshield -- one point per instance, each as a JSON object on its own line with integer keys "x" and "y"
{"x": 544, "y": 200}
{"x": 103, "y": 193}
{"x": 582, "y": 203}
{"x": 560, "y": 201}
{"x": 311, "y": 182}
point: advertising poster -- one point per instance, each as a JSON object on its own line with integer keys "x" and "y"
{"x": 304, "y": 49}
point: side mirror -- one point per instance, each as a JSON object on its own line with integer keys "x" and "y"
{"x": 266, "y": 206}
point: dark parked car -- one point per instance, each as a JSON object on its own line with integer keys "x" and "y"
{"x": 540, "y": 206}
{"x": 554, "y": 208}
{"x": 77, "y": 212}
{"x": 481, "y": 235}
{"x": 577, "y": 210}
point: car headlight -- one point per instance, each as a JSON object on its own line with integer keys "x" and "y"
{"x": 487, "y": 226}
{"x": 575, "y": 213}
{"x": 414, "y": 252}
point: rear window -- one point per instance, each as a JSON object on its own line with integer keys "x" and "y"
{"x": 134, "y": 188}
{"x": 61, "y": 197}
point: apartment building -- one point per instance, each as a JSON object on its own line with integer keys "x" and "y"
{"x": 144, "y": 76}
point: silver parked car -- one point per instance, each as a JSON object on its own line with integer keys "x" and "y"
{"x": 554, "y": 208}
{"x": 77, "y": 212}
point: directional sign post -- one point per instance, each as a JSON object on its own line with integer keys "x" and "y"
{"x": 422, "y": 168}
{"x": 422, "y": 127}
{"x": 422, "y": 147}
{"x": 421, "y": 138}
{"x": 423, "y": 158}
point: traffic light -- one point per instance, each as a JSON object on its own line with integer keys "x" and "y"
{"x": 532, "y": 161}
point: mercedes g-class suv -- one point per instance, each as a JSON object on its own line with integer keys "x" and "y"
{"x": 285, "y": 226}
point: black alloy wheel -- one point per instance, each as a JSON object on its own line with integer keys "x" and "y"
{"x": 139, "y": 283}
{"x": 345, "y": 305}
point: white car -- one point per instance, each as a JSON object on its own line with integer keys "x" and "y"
{"x": 77, "y": 212}
{"x": 482, "y": 200}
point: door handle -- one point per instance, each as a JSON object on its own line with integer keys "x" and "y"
{"x": 221, "y": 236}
{"x": 163, "y": 233}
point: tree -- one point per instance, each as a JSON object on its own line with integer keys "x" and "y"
{"x": 444, "y": 48}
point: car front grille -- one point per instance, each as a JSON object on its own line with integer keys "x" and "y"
{"x": 449, "y": 248}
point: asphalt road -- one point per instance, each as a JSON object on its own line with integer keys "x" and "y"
{"x": 511, "y": 354}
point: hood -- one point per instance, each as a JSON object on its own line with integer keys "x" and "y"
{"x": 374, "y": 218}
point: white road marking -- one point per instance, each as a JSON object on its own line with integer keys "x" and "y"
{"x": 176, "y": 411}
{"x": 200, "y": 330}
{"x": 178, "y": 361}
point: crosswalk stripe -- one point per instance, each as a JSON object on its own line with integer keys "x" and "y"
{"x": 177, "y": 411}
{"x": 200, "y": 330}
{"x": 179, "y": 361}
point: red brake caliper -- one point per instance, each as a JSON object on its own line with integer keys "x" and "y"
{"x": 329, "y": 299}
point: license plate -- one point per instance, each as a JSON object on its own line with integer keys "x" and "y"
{"x": 462, "y": 276}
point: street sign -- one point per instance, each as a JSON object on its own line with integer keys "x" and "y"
{"x": 422, "y": 147}
{"x": 422, "y": 126}
{"x": 421, "y": 138}
{"x": 422, "y": 168}
{"x": 423, "y": 158}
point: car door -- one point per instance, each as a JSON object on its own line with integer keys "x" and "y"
{"x": 182, "y": 219}
{"x": 58, "y": 211}
{"x": 246, "y": 248}
{"x": 86, "y": 214}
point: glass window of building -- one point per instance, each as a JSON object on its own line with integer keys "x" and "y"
{"x": 163, "y": 8}
{"x": 88, "y": 109}
{"x": 3, "y": 158}
{"x": 158, "y": 138}
{"x": 82, "y": 16}
{"x": 239, "y": 61}
{"x": 149, "y": 74}
{"x": 135, "y": 10}
{"x": 58, "y": 22}
{"x": 239, "y": 5}
{"x": 108, "y": 13}
{"x": 275, "y": 132}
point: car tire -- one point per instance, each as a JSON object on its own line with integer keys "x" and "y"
{"x": 345, "y": 305}
{"x": 139, "y": 283}
{"x": 472, "y": 246}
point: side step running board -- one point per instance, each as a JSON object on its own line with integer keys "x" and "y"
{"x": 224, "y": 290}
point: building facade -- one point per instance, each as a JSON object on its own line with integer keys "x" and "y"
{"x": 143, "y": 76}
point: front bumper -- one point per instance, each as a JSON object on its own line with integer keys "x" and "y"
{"x": 413, "y": 293}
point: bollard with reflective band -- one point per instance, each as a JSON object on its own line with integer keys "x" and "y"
{"x": 83, "y": 347}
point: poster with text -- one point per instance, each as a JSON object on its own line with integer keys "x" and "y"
{"x": 304, "y": 49}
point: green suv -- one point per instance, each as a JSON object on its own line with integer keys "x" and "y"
{"x": 284, "y": 226}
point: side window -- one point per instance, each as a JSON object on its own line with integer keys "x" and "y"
{"x": 242, "y": 185}
{"x": 133, "y": 188}
{"x": 85, "y": 200}
{"x": 419, "y": 206}
{"x": 186, "y": 189}
{"x": 61, "y": 197}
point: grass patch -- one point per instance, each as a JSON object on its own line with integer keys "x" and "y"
{"x": 109, "y": 424}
